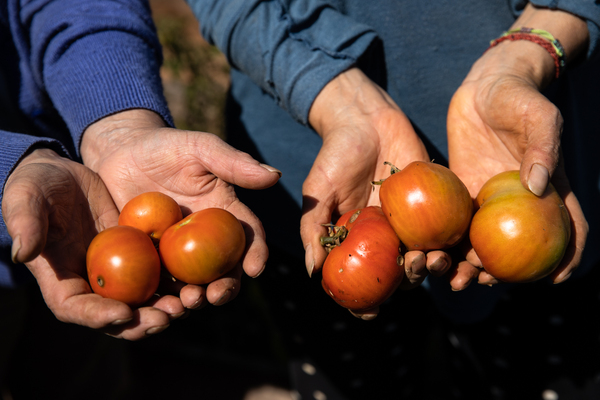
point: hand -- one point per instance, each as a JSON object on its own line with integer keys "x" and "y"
{"x": 498, "y": 120}
{"x": 134, "y": 152}
{"x": 361, "y": 128}
{"x": 53, "y": 207}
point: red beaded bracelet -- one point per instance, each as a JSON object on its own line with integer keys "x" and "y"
{"x": 541, "y": 37}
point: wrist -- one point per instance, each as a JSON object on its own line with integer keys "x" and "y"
{"x": 348, "y": 95}
{"x": 113, "y": 131}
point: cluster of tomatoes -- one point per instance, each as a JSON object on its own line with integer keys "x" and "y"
{"x": 519, "y": 237}
{"x": 124, "y": 262}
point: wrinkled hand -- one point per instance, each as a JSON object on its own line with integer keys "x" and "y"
{"x": 497, "y": 121}
{"x": 361, "y": 128}
{"x": 134, "y": 152}
{"x": 53, "y": 207}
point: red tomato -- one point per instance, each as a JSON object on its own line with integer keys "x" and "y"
{"x": 123, "y": 264}
{"x": 203, "y": 246}
{"x": 151, "y": 212}
{"x": 427, "y": 205}
{"x": 364, "y": 266}
{"x": 518, "y": 236}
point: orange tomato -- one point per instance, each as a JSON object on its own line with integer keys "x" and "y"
{"x": 203, "y": 246}
{"x": 123, "y": 264}
{"x": 518, "y": 236}
{"x": 151, "y": 212}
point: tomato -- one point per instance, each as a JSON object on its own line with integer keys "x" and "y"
{"x": 428, "y": 206}
{"x": 123, "y": 264}
{"x": 518, "y": 236}
{"x": 151, "y": 212}
{"x": 203, "y": 246}
{"x": 364, "y": 266}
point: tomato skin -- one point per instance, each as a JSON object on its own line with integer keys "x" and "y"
{"x": 518, "y": 236}
{"x": 123, "y": 264}
{"x": 203, "y": 246}
{"x": 428, "y": 206}
{"x": 367, "y": 267}
{"x": 151, "y": 212}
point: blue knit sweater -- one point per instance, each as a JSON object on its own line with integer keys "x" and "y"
{"x": 65, "y": 64}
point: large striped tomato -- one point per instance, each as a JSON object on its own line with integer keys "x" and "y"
{"x": 203, "y": 246}
{"x": 364, "y": 266}
{"x": 428, "y": 206}
{"x": 518, "y": 236}
{"x": 123, "y": 264}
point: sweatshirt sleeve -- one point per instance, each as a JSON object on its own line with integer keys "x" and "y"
{"x": 290, "y": 48}
{"x": 87, "y": 59}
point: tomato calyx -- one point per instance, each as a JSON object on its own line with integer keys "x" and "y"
{"x": 337, "y": 234}
{"x": 393, "y": 170}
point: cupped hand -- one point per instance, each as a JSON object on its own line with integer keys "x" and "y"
{"x": 53, "y": 207}
{"x": 497, "y": 121}
{"x": 134, "y": 152}
{"x": 361, "y": 128}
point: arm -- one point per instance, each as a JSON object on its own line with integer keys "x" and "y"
{"x": 499, "y": 120}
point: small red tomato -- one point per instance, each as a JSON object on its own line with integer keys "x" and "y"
{"x": 518, "y": 236}
{"x": 203, "y": 246}
{"x": 428, "y": 206}
{"x": 151, "y": 212}
{"x": 123, "y": 264}
{"x": 364, "y": 266}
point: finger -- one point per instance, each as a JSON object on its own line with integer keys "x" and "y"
{"x": 193, "y": 297}
{"x": 463, "y": 275}
{"x": 25, "y": 213}
{"x": 146, "y": 321}
{"x": 234, "y": 166}
{"x": 170, "y": 305}
{"x": 438, "y": 262}
{"x": 366, "y": 315}
{"x": 224, "y": 289}
{"x": 486, "y": 279}
{"x": 257, "y": 251}
{"x": 311, "y": 231}
{"x": 415, "y": 270}
{"x": 543, "y": 126}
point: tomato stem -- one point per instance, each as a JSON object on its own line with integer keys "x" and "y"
{"x": 336, "y": 236}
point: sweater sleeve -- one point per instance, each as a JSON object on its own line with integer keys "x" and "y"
{"x": 290, "y": 48}
{"x": 14, "y": 147}
{"x": 87, "y": 59}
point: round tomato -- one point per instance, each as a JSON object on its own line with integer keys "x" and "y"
{"x": 151, "y": 212}
{"x": 364, "y": 265}
{"x": 123, "y": 264}
{"x": 428, "y": 206}
{"x": 518, "y": 236}
{"x": 203, "y": 246}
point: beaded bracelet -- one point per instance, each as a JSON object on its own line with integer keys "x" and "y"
{"x": 541, "y": 37}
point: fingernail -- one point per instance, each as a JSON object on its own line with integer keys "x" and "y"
{"x": 563, "y": 277}
{"x": 16, "y": 246}
{"x": 309, "y": 260}
{"x": 196, "y": 304}
{"x": 156, "y": 329}
{"x": 260, "y": 272}
{"x": 538, "y": 179}
{"x": 438, "y": 265}
{"x": 121, "y": 321}
{"x": 271, "y": 169}
{"x": 177, "y": 315}
{"x": 223, "y": 299}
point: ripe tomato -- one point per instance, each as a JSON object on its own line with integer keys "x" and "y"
{"x": 151, "y": 212}
{"x": 123, "y": 264}
{"x": 518, "y": 236}
{"x": 427, "y": 205}
{"x": 203, "y": 246}
{"x": 364, "y": 266}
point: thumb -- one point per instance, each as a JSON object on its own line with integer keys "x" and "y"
{"x": 25, "y": 213}
{"x": 236, "y": 167}
{"x": 542, "y": 151}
